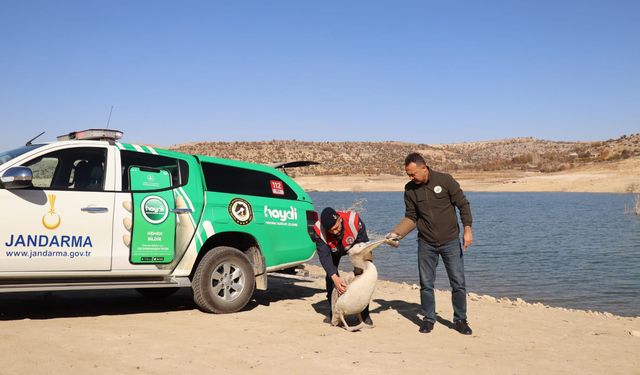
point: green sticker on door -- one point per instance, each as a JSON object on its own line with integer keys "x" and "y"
{"x": 154, "y": 209}
{"x": 154, "y": 225}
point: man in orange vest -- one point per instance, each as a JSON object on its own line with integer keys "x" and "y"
{"x": 336, "y": 232}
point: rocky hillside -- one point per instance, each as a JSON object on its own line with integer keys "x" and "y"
{"x": 375, "y": 158}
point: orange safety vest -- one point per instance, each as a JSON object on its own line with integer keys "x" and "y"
{"x": 350, "y": 228}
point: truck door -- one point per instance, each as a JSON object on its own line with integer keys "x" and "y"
{"x": 165, "y": 177}
{"x": 63, "y": 222}
{"x": 154, "y": 222}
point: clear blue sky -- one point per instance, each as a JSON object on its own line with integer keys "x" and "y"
{"x": 421, "y": 71}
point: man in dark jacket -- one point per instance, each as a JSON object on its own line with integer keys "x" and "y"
{"x": 430, "y": 201}
{"x": 335, "y": 233}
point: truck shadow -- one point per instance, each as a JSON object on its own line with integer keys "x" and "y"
{"x": 88, "y": 303}
{"x": 70, "y": 304}
{"x": 282, "y": 289}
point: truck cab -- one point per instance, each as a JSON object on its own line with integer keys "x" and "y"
{"x": 90, "y": 212}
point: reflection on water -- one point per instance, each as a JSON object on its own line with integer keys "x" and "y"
{"x": 575, "y": 250}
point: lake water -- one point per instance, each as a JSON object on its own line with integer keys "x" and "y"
{"x": 575, "y": 250}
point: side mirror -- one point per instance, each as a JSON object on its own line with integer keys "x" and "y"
{"x": 17, "y": 178}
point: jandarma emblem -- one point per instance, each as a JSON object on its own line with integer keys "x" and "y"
{"x": 51, "y": 220}
{"x": 240, "y": 211}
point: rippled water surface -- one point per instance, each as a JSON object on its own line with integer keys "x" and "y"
{"x": 575, "y": 250}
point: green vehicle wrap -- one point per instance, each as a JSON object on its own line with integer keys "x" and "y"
{"x": 275, "y": 215}
{"x": 277, "y": 224}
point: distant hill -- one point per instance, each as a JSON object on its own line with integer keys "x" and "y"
{"x": 374, "y": 158}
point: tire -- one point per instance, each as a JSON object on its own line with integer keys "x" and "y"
{"x": 224, "y": 281}
{"x": 157, "y": 293}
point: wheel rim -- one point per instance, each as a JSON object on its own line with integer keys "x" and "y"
{"x": 227, "y": 281}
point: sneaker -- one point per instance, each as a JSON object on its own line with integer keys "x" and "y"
{"x": 327, "y": 319}
{"x": 369, "y": 323}
{"x": 426, "y": 327}
{"x": 462, "y": 326}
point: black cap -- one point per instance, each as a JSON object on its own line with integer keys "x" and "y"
{"x": 328, "y": 218}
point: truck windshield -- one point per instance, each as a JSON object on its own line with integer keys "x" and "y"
{"x": 5, "y": 156}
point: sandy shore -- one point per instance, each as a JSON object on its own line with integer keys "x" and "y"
{"x": 281, "y": 331}
{"x": 615, "y": 177}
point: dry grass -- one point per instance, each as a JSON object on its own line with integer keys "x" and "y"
{"x": 635, "y": 208}
{"x": 376, "y": 158}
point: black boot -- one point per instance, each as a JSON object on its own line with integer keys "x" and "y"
{"x": 366, "y": 318}
{"x": 426, "y": 326}
{"x": 462, "y": 326}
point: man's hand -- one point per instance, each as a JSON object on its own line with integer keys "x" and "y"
{"x": 340, "y": 286}
{"x": 392, "y": 239}
{"x": 467, "y": 238}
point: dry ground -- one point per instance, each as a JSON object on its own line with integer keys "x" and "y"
{"x": 281, "y": 332}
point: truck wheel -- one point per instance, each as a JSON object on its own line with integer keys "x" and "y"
{"x": 224, "y": 281}
{"x": 157, "y": 292}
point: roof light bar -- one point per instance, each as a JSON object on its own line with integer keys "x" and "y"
{"x": 92, "y": 134}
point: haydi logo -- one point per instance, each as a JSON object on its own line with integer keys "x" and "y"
{"x": 281, "y": 215}
{"x": 155, "y": 209}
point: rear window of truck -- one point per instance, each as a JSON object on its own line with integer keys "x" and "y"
{"x": 234, "y": 180}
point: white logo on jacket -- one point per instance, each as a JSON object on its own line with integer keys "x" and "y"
{"x": 437, "y": 189}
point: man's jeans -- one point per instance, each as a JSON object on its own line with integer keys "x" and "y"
{"x": 451, "y": 253}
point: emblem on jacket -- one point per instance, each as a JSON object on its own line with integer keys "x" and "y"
{"x": 437, "y": 189}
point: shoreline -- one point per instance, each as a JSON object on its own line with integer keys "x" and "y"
{"x": 618, "y": 177}
{"x": 281, "y": 330}
{"x": 515, "y": 301}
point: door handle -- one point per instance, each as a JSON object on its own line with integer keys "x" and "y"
{"x": 94, "y": 210}
{"x": 182, "y": 210}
